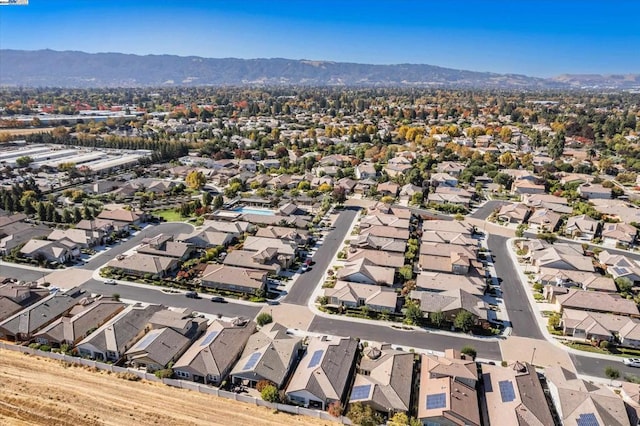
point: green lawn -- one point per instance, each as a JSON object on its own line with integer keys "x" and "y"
{"x": 170, "y": 215}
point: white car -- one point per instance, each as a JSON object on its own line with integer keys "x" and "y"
{"x": 632, "y": 362}
{"x": 110, "y": 282}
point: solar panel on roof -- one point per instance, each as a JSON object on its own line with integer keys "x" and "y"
{"x": 146, "y": 340}
{"x": 587, "y": 419}
{"x": 360, "y": 392}
{"x": 252, "y": 361}
{"x": 207, "y": 340}
{"x": 436, "y": 400}
{"x": 315, "y": 358}
{"x": 506, "y": 391}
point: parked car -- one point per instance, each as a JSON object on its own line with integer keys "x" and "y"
{"x": 304, "y": 268}
{"x": 192, "y": 294}
{"x": 632, "y": 362}
{"x": 110, "y": 281}
{"x": 218, "y": 299}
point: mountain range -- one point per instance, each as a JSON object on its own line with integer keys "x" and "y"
{"x": 49, "y": 68}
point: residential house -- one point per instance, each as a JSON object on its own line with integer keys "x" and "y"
{"x": 548, "y": 201}
{"x": 619, "y": 234}
{"x": 591, "y": 191}
{"x": 446, "y": 237}
{"x": 236, "y": 228}
{"x": 16, "y": 234}
{"x": 21, "y": 326}
{"x": 121, "y": 218}
{"x": 206, "y": 237}
{"x": 544, "y": 220}
{"x": 143, "y": 264}
{"x": 163, "y": 245}
{"x": 270, "y": 354}
{"x": 388, "y": 188}
{"x": 376, "y": 257}
{"x": 110, "y": 341}
{"x": 601, "y": 326}
{"x": 324, "y": 373}
{"x": 513, "y": 395}
{"x": 524, "y": 186}
{"x": 226, "y": 277}
{"x": 620, "y": 266}
{"x": 156, "y": 349}
{"x": 618, "y": 210}
{"x": 447, "y": 226}
{"x": 452, "y": 258}
{"x": 384, "y": 220}
{"x": 299, "y": 237}
{"x": 409, "y": 190}
{"x": 82, "y": 238}
{"x": 379, "y": 243}
{"x": 365, "y": 272}
{"x": 365, "y": 171}
{"x": 447, "y": 394}
{"x": 182, "y": 320}
{"x": 210, "y": 359}
{"x": 581, "y": 227}
{"x": 450, "y": 167}
{"x": 286, "y": 250}
{"x": 79, "y": 322}
{"x": 383, "y": 231}
{"x": 580, "y": 279}
{"x": 514, "y": 213}
{"x": 443, "y": 179}
{"x": 354, "y": 295}
{"x": 579, "y": 402}
{"x": 452, "y": 302}
{"x": 562, "y": 256}
{"x": 248, "y": 165}
{"x": 597, "y": 302}
{"x": 384, "y": 380}
{"x": 60, "y": 251}
{"x": 439, "y": 282}
{"x": 266, "y": 260}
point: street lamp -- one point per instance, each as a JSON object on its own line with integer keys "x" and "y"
{"x": 533, "y": 354}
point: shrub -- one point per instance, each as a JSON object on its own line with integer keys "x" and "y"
{"x": 45, "y": 348}
{"x": 34, "y": 345}
{"x": 270, "y": 393}
{"x": 470, "y": 351}
{"x": 128, "y": 376}
{"x": 612, "y": 373}
{"x": 503, "y": 363}
{"x": 264, "y": 318}
{"x": 538, "y": 287}
{"x": 263, "y": 384}
{"x": 335, "y": 409}
{"x": 164, "y": 374}
{"x": 604, "y": 344}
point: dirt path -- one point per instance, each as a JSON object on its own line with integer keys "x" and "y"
{"x": 39, "y": 391}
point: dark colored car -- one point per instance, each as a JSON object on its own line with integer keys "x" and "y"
{"x": 218, "y": 299}
{"x": 192, "y": 294}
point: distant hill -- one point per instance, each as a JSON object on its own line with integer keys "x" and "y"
{"x": 614, "y": 81}
{"x": 50, "y": 68}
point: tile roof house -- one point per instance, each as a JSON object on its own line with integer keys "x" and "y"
{"x": 269, "y": 354}
{"x": 365, "y": 171}
{"x": 544, "y": 219}
{"x": 619, "y": 234}
{"x": 388, "y": 188}
{"x": 16, "y": 234}
{"x": 80, "y": 237}
{"x": 365, "y": 272}
{"x": 156, "y": 349}
{"x": 384, "y": 380}
{"x": 142, "y": 264}
{"x": 354, "y": 295}
{"x": 76, "y": 325}
{"x": 581, "y": 227}
{"x": 594, "y": 190}
{"x": 236, "y": 228}
{"x": 620, "y": 266}
{"x": 376, "y": 257}
{"x": 210, "y": 359}
{"x": 451, "y": 302}
{"x": 579, "y": 402}
{"x": 601, "y": 326}
{"x": 206, "y": 237}
{"x": 441, "y": 257}
{"x": 232, "y": 278}
{"x": 451, "y": 167}
{"x": 163, "y": 245}
{"x": 384, "y": 231}
{"x": 121, "y": 218}
{"x": 324, "y": 373}
{"x": 384, "y": 220}
{"x": 298, "y": 236}
{"x": 513, "y": 395}
{"x": 514, "y": 213}
{"x": 562, "y": 256}
{"x": 443, "y": 179}
{"x": 265, "y": 260}
{"x": 446, "y": 237}
{"x": 447, "y": 392}
{"x": 439, "y": 282}
{"x": 524, "y": 186}
{"x": 580, "y": 279}
{"x": 379, "y": 243}
{"x": 60, "y": 251}
{"x": 110, "y": 341}
{"x": 21, "y": 326}
{"x": 597, "y": 302}
{"x": 447, "y": 226}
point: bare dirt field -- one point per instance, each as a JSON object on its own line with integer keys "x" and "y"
{"x": 21, "y": 132}
{"x": 40, "y": 391}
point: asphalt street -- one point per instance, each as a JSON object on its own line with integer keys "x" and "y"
{"x": 22, "y": 274}
{"x": 419, "y": 339}
{"x": 521, "y": 315}
{"x": 488, "y": 208}
{"x": 306, "y": 283}
{"x": 204, "y": 304}
{"x": 595, "y": 366}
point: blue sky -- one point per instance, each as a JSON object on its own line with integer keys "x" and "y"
{"x": 540, "y": 38}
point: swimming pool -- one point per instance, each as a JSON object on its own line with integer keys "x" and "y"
{"x": 250, "y": 210}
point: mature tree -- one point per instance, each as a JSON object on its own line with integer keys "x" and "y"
{"x": 206, "y": 198}
{"x": 624, "y": 284}
{"x": 218, "y": 201}
{"x": 24, "y": 161}
{"x": 339, "y": 194}
{"x": 413, "y": 314}
{"x": 556, "y": 145}
{"x": 436, "y": 318}
{"x": 195, "y": 179}
{"x": 464, "y": 321}
{"x": 364, "y": 415}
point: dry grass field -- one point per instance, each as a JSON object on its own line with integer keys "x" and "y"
{"x": 40, "y": 391}
{"x": 24, "y": 132}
